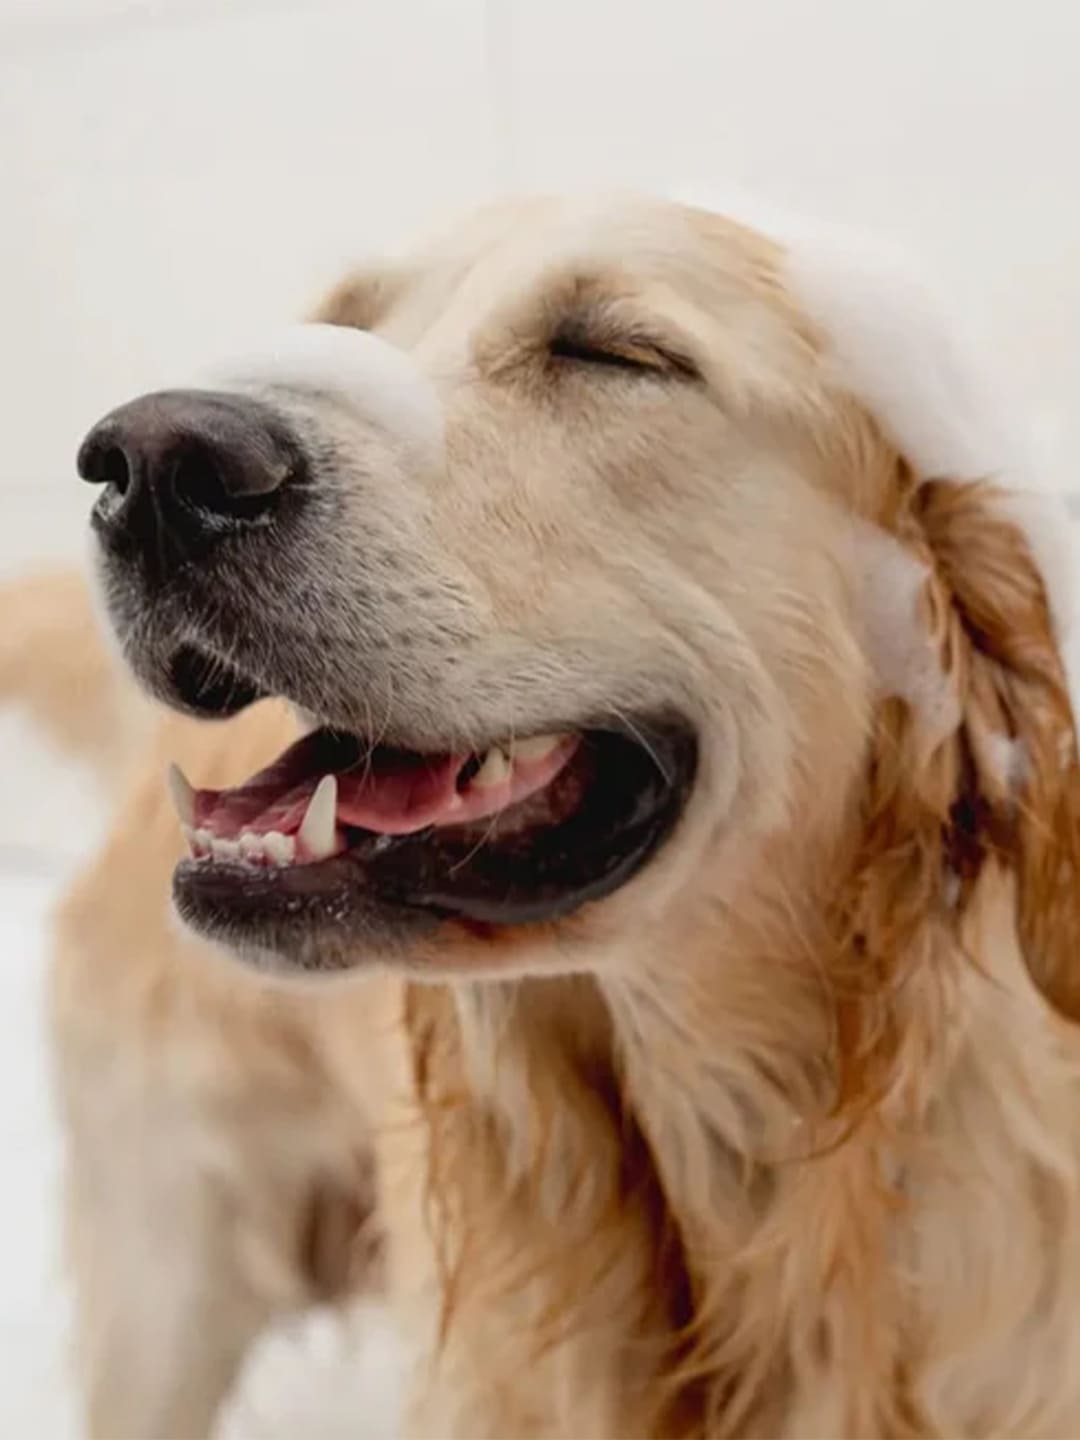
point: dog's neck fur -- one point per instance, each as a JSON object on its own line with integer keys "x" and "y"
{"x": 615, "y": 1150}
{"x": 656, "y": 1200}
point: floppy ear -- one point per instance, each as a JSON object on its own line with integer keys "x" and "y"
{"x": 1017, "y": 778}
{"x": 981, "y": 791}
{"x": 970, "y": 835}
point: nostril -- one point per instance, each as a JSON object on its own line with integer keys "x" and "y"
{"x": 105, "y": 463}
{"x": 196, "y": 478}
{"x": 113, "y": 469}
{"x": 193, "y": 464}
{"x": 215, "y": 480}
{"x": 101, "y": 461}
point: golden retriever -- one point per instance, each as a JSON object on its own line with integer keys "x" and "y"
{"x": 647, "y": 942}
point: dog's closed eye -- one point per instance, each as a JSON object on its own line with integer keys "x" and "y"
{"x": 581, "y": 344}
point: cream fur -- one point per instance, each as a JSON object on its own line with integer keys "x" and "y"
{"x": 782, "y": 1139}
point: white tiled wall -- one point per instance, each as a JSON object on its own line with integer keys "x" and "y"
{"x": 173, "y": 171}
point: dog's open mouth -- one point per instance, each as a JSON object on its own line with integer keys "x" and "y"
{"x": 328, "y": 791}
{"x": 369, "y": 837}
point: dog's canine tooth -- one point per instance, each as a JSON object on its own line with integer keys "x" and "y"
{"x": 318, "y": 829}
{"x": 494, "y": 770}
{"x": 251, "y": 845}
{"x": 281, "y": 849}
{"x": 183, "y": 794}
{"x": 537, "y": 747}
{"x": 204, "y": 839}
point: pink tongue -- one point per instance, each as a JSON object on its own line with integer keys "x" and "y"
{"x": 415, "y": 791}
{"x": 394, "y": 794}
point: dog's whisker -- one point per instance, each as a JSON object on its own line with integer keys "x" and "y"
{"x": 637, "y": 734}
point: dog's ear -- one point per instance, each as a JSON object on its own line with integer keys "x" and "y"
{"x": 1016, "y": 776}
{"x": 974, "y": 786}
{"x": 970, "y": 836}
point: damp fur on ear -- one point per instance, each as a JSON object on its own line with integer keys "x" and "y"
{"x": 972, "y": 780}
{"x": 1021, "y": 802}
{"x": 974, "y": 769}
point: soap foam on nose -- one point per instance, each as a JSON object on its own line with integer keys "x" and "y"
{"x": 374, "y": 378}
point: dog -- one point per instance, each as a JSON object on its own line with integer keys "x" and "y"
{"x": 646, "y": 945}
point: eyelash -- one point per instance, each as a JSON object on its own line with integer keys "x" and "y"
{"x": 581, "y": 352}
{"x": 652, "y": 358}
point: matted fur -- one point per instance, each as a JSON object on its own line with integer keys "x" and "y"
{"x": 794, "y": 1149}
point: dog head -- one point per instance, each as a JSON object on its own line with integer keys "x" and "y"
{"x": 595, "y": 545}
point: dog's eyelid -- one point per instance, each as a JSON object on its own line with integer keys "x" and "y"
{"x": 587, "y": 351}
{"x": 624, "y": 348}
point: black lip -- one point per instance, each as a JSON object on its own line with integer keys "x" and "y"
{"x": 208, "y": 688}
{"x": 385, "y": 891}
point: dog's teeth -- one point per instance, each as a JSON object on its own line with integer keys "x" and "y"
{"x": 203, "y": 839}
{"x": 318, "y": 829}
{"x": 539, "y": 747}
{"x": 226, "y": 849}
{"x": 251, "y": 846}
{"x": 493, "y": 771}
{"x": 281, "y": 849}
{"x": 183, "y": 795}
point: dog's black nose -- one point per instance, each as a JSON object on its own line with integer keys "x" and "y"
{"x": 182, "y": 467}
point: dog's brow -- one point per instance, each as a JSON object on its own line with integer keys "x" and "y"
{"x": 593, "y": 312}
{"x": 626, "y": 330}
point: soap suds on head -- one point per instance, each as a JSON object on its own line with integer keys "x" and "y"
{"x": 889, "y": 594}
{"x": 353, "y": 366}
{"x": 894, "y": 344}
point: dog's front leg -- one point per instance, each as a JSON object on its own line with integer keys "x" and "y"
{"x": 190, "y": 1227}
{"x": 215, "y": 1176}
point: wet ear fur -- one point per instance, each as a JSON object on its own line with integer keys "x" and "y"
{"x": 996, "y": 799}
{"x": 1017, "y": 799}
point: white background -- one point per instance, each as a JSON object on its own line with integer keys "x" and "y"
{"x": 174, "y": 173}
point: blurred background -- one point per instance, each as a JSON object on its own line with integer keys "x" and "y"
{"x": 177, "y": 173}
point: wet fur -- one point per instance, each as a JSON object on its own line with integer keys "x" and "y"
{"x": 780, "y": 1140}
